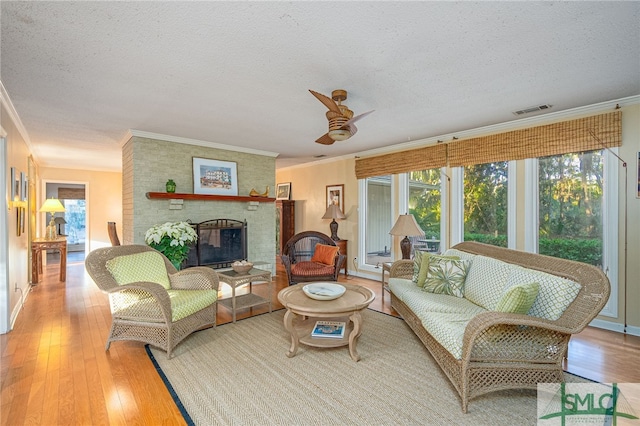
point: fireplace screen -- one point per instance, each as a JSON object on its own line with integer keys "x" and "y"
{"x": 220, "y": 243}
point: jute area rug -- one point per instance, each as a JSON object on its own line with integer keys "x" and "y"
{"x": 239, "y": 374}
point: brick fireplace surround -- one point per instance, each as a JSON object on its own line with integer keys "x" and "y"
{"x": 147, "y": 164}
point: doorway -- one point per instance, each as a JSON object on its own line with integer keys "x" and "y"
{"x": 72, "y": 224}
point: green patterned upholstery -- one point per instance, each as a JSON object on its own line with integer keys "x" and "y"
{"x": 414, "y": 297}
{"x": 486, "y": 281}
{"x": 187, "y": 302}
{"x": 447, "y": 329}
{"x": 147, "y": 266}
{"x": 446, "y": 276}
{"x": 555, "y": 293}
{"x": 519, "y": 298}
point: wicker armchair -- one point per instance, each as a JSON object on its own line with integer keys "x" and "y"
{"x": 297, "y": 254}
{"x": 146, "y": 311}
{"x": 509, "y": 351}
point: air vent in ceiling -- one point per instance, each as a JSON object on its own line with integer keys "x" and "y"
{"x": 532, "y": 109}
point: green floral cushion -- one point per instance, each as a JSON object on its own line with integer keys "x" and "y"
{"x": 145, "y": 266}
{"x": 519, "y": 298}
{"x": 424, "y": 266}
{"x": 446, "y": 276}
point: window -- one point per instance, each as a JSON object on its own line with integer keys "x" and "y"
{"x": 486, "y": 203}
{"x": 570, "y": 201}
{"x": 378, "y": 220}
{"x": 425, "y": 206}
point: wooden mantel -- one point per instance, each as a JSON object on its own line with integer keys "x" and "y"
{"x": 206, "y": 197}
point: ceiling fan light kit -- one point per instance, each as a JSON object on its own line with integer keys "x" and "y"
{"x": 340, "y": 117}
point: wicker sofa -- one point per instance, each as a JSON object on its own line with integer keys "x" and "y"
{"x": 482, "y": 350}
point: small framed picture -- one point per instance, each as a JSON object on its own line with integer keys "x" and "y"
{"x": 283, "y": 191}
{"x": 335, "y": 195}
{"x": 214, "y": 177}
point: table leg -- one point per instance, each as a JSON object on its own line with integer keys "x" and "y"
{"x": 269, "y": 292}
{"x": 356, "y": 318}
{"x": 36, "y": 256}
{"x": 63, "y": 263}
{"x": 233, "y": 302}
{"x": 288, "y": 325}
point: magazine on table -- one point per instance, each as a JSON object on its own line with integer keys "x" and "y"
{"x": 330, "y": 329}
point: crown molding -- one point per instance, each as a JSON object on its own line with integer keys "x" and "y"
{"x": 549, "y": 118}
{"x": 177, "y": 139}
{"x": 13, "y": 115}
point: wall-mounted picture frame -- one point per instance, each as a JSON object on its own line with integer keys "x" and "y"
{"x": 335, "y": 195}
{"x": 214, "y": 177}
{"x": 283, "y": 191}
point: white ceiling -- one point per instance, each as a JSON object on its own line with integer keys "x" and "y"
{"x": 80, "y": 74}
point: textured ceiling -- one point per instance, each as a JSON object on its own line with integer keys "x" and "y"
{"x": 80, "y": 74}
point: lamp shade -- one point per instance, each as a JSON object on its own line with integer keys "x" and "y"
{"x": 334, "y": 212}
{"x": 52, "y": 205}
{"x": 406, "y": 225}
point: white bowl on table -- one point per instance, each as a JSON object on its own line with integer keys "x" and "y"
{"x": 324, "y": 291}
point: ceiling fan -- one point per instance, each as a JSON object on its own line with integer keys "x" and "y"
{"x": 341, "y": 119}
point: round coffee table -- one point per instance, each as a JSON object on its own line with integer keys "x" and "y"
{"x": 303, "y": 312}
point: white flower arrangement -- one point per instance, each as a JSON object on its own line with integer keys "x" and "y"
{"x": 172, "y": 239}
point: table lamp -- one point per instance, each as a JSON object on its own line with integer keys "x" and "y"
{"x": 406, "y": 225}
{"x": 53, "y": 206}
{"x": 334, "y": 212}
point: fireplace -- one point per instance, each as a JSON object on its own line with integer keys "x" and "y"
{"x": 220, "y": 243}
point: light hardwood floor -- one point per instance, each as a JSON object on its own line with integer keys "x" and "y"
{"x": 55, "y": 371}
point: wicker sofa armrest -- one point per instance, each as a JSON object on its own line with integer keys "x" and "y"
{"x": 160, "y": 308}
{"x": 195, "y": 278}
{"x": 401, "y": 269}
{"x": 499, "y": 336}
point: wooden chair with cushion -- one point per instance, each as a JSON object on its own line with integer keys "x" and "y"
{"x": 150, "y": 300}
{"x": 311, "y": 256}
{"x": 113, "y": 233}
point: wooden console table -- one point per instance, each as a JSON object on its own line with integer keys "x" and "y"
{"x": 40, "y": 244}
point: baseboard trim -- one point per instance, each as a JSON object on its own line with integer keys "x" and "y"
{"x": 614, "y": 326}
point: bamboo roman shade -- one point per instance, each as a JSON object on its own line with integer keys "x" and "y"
{"x": 71, "y": 193}
{"x": 425, "y": 158}
{"x": 583, "y": 134}
{"x": 540, "y": 141}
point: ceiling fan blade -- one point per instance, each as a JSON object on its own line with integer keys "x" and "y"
{"x": 356, "y": 118}
{"x": 328, "y": 102}
{"x": 325, "y": 140}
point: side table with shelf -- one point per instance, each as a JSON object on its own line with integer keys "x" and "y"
{"x": 40, "y": 244}
{"x": 250, "y": 299}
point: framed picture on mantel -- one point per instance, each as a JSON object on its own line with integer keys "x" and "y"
{"x": 214, "y": 177}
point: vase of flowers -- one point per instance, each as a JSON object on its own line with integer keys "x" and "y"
{"x": 172, "y": 239}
